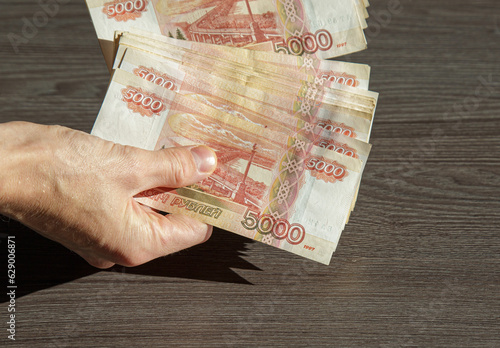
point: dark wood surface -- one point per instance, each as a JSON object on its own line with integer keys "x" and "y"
{"x": 417, "y": 266}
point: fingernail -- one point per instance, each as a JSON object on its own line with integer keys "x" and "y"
{"x": 205, "y": 158}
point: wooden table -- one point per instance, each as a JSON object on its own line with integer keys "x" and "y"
{"x": 418, "y": 264}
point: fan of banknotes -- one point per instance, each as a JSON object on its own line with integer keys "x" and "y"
{"x": 250, "y": 79}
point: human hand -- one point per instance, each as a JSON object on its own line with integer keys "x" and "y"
{"x": 78, "y": 190}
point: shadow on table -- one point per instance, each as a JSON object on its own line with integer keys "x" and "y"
{"x": 41, "y": 263}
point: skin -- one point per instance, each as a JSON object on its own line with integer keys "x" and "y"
{"x": 77, "y": 190}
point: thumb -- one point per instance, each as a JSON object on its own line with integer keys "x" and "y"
{"x": 177, "y": 166}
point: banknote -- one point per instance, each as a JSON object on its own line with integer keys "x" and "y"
{"x": 244, "y": 65}
{"x": 364, "y": 102}
{"x": 325, "y": 28}
{"x": 295, "y": 198}
{"x": 208, "y": 87}
{"x": 287, "y": 71}
{"x": 362, "y": 13}
{"x": 174, "y": 78}
{"x": 211, "y": 89}
{"x": 295, "y": 67}
{"x": 244, "y": 97}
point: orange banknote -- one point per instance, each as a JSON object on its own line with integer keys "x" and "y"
{"x": 294, "y": 109}
{"x": 295, "y": 197}
{"x": 326, "y": 29}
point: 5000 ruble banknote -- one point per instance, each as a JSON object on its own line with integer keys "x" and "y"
{"x": 295, "y": 198}
{"x": 325, "y": 28}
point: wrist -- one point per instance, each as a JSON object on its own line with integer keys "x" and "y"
{"x": 21, "y": 156}
{"x": 7, "y": 161}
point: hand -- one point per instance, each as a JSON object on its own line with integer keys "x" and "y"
{"x": 78, "y": 190}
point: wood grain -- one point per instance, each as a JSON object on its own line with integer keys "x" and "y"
{"x": 418, "y": 265}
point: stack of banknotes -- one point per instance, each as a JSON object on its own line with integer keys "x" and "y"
{"x": 290, "y": 130}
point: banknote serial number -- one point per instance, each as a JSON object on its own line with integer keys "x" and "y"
{"x": 279, "y": 228}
